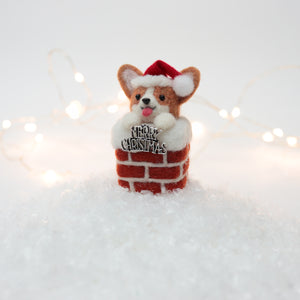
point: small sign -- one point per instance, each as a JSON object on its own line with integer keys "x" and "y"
{"x": 144, "y": 139}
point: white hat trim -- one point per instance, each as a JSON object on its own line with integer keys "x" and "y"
{"x": 183, "y": 85}
{"x": 151, "y": 80}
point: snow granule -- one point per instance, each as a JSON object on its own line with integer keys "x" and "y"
{"x": 95, "y": 240}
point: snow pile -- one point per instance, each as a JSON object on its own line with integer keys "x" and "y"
{"x": 97, "y": 241}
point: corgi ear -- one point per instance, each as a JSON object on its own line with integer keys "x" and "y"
{"x": 191, "y": 74}
{"x": 125, "y": 75}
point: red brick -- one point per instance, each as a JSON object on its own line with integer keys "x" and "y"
{"x": 164, "y": 172}
{"x": 130, "y": 171}
{"x": 147, "y": 157}
{"x": 153, "y": 187}
{"x": 186, "y": 166}
{"x": 177, "y": 185}
{"x": 178, "y": 156}
{"x": 124, "y": 184}
{"x": 121, "y": 155}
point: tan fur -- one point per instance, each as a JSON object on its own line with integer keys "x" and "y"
{"x": 122, "y": 81}
{"x": 171, "y": 99}
{"x": 196, "y": 79}
{"x": 140, "y": 90}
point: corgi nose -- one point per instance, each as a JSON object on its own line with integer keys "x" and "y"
{"x": 146, "y": 100}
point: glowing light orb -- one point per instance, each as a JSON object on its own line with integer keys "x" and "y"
{"x": 30, "y": 127}
{"x": 79, "y": 77}
{"x": 75, "y": 109}
{"x": 121, "y": 96}
{"x": 198, "y": 129}
{"x": 268, "y": 137}
{"x": 39, "y": 138}
{"x": 278, "y": 132}
{"x": 223, "y": 113}
{"x": 235, "y": 112}
{"x": 50, "y": 177}
{"x": 112, "y": 108}
{"x": 292, "y": 141}
{"x": 6, "y": 124}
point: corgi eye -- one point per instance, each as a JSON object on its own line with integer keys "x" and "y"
{"x": 162, "y": 97}
{"x": 137, "y": 96}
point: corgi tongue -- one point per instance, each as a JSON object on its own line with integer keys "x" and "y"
{"x": 147, "y": 111}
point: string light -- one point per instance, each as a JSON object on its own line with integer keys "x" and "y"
{"x": 278, "y": 132}
{"x": 198, "y": 129}
{"x": 39, "y": 138}
{"x": 6, "y": 124}
{"x": 79, "y": 77}
{"x": 223, "y": 113}
{"x": 50, "y": 177}
{"x": 30, "y": 127}
{"x": 121, "y": 96}
{"x": 235, "y": 112}
{"x": 76, "y": 110}
{"x": 292, "y": 141}
{"x": 268, "y": 137}
{"x": 113, "y": 108}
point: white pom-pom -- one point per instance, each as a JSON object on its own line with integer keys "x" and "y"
{"x": 130, "y": 119}
{"x": 183, "y": 85}
{"x": 164, "y": 121}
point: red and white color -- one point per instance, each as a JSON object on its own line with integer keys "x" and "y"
{"x": 158, "y": 173}
{"x": 162, "y": 74}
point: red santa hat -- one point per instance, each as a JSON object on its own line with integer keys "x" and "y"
{"x": 162, "y": 74}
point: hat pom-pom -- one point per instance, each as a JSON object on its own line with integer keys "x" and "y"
{"x": 183, "y": 85}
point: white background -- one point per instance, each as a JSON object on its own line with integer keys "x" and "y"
{"x": 229, "y": 41}
{"x": 96, "y": 241}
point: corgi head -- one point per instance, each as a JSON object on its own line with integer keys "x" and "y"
{"x": 161, "y": 89}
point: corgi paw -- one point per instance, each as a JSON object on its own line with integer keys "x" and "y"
{"x": 164, "y": 121}
{"x": 130, "y": 119}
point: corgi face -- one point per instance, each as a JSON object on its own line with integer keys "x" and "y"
{"x": 150, "y": 101}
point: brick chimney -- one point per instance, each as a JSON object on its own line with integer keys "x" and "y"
{"x": 153, "y": 172}
{"x": 162, "y": 168}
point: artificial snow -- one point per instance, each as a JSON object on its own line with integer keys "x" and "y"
{"x": 95, "y": 240}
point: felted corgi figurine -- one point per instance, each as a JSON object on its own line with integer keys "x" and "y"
{"x": 152, "y": 140}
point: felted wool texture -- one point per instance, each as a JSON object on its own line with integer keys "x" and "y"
{"x": 172, "y": 156}
{"x": 150, "y": 81}
{"x": 95, "y": 240}
{"x": 126, "y": 74}
{"x": 162, "y": 74}
{"x": 161, "y": 67}
{"x": 185, "y": 85}
{"x": 157, "y": 173}
{"x": 193, "y": 73}
{"x": 171, "y": 99}
{"x": 176, "y": 138}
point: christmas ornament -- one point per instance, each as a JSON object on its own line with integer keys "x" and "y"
{"x": 152, "y": 141}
